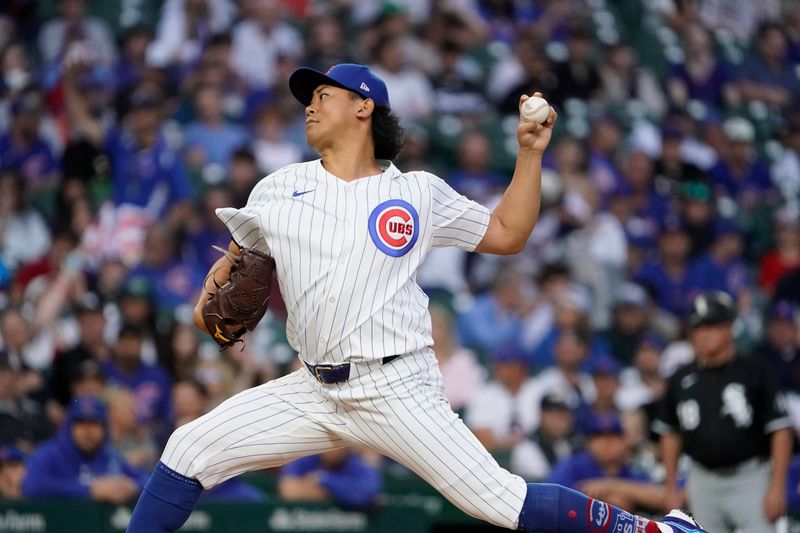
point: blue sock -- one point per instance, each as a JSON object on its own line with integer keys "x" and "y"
{"x": 166, "y": 502}
{"x": 551, "y": 508}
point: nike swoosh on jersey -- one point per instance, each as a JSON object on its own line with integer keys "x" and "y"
{"x": 295, "y": 194}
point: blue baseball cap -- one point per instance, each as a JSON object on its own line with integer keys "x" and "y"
{"x": 726, "y": 226}
{"x": 604, "y": 424}
{"x": 356, "y": 78}
{"x": 11, "y": 454}
{"x": 651, "y": 340}
{"x": 87, "y": 409}
{"x": 509, "y": 352}
{"x": 783, "y": 310}
{"x": 605, "y": 365}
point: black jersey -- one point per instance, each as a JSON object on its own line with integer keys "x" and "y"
{"x": 724, "y": 414}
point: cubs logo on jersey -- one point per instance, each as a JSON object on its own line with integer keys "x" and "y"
{"x": 394, "y": 227}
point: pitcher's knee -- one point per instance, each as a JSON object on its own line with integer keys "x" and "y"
{"x": 183, "y": 448}
{"x": 496, "y": 504}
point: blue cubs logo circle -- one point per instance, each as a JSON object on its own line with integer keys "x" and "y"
{"x": 394, "y": 227}
{"x": 599, "y": 516}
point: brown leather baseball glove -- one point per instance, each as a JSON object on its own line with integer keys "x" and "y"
{"x": 241, "y": 302}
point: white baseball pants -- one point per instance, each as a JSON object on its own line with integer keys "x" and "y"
{"x": 398, "y": 409}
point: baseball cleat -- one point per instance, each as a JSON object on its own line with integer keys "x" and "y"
{"x": 679, "y": 521}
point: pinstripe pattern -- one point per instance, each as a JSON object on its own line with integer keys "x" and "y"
{"x": 350, "y": 300}
{"x": 262, "y": 427}
{"x": 398, "y": 409}
{"x": 347, "y": 299}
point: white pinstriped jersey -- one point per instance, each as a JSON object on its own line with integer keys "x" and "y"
{"x": 347, "y": 254}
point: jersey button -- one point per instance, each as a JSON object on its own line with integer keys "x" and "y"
{"x": 332, "y": 299}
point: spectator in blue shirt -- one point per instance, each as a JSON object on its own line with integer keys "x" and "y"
{"x": 173, "y": 280}
{"x": 701, "y": 76}
{"x": 606, "y": 457}
{"x": 494, "y": 318}
{"x": 665, "y": 275}
{"x": 722, "y": 267}
{"x": 132, "y": 62}
{"x": 147, "y": 172}
{"x": 12, "y": 472}
{"x": 571, "y": 312}
{"x": 148, "y": 383}
{"x": 22, "y": 149}
{"x": 210, "y": 139}
{"x": 648, "y": 204}
{"x": 769, "y": 76}
{"x": 604, "y": 140}
{"x": 780, "y": 349}
{"x": 473, "y": 177}
{"x": 793, "y": 484}
{"x": 740, "y": 174}
{"x": 339, "y": 475}
{"x": 79, "y": 463}
{"x": 209, "y": 230}
{"x": 605, "y": 372}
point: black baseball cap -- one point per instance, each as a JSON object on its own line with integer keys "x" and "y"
{"x": 558, "y": 400}
{"x": 86, "y": 370}
{"x": 350, "y": 76}
{"x": 144, "y": 98}
{"x": 711, "y": 307}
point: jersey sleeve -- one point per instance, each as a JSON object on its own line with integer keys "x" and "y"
{"x": 774, "y": 403}
{"x": 245, "y": 223}
{"x": 457, "y": 220}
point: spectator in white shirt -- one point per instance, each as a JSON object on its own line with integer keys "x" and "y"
{"x": 270, "y": 146}
{"x": 71, "y": 25}
{"x": 642, "y": 384}
{"x": 24, "y": 235}
{"x": 500, "y": 412}
{"x": 553, "y": 441}
{"x": 570, "y": 351}
{"x": 184, "y": 29}
{"x": 412, "y": 94}
{"x": 259, "y": 41}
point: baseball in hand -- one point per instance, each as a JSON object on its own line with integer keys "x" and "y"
{"x": 535, "y": 109}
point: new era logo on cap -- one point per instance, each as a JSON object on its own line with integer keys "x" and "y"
{"x": 356, "y": 78}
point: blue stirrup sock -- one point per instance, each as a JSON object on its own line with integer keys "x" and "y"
{"x": 550, "y": 508}
{"x": 166, "y": 502}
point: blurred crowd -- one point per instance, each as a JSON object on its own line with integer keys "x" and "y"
{"x": 674, "y": 169}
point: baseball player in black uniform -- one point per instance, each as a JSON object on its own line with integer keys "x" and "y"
{"x": 725, "y": 412}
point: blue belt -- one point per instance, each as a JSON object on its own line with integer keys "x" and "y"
{"x": 330, "y": 374}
